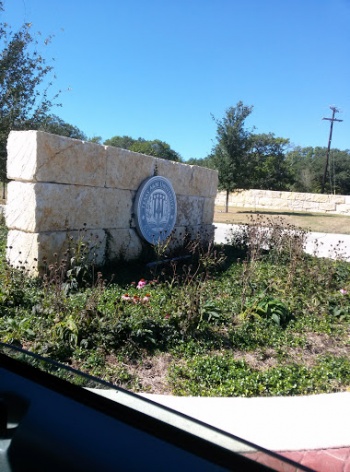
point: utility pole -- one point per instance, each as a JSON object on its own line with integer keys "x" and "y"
{"x": 332, "y": 120}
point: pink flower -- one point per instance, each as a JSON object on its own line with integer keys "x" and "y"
{"x": 126, "y": 297}
{"x": 343, "y": 291}
{"x": 167, "y": 316}
{"x": 146, "y": 298}
{"x": 135, "y": 299}
{"x": 141, "y": 283}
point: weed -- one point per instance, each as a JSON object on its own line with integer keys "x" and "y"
{"x": 202, "y": 303}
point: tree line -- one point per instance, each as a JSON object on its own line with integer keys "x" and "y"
{"x": 244, "y": 159}
{"x": 247, "y": 160}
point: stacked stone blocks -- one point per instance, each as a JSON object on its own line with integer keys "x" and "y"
{"x": 288, "y": 201}
{"x": 59, "y": 184}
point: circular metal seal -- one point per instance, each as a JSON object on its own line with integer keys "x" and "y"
{"x": 155, "y": 209}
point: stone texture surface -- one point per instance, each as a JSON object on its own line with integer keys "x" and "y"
{"x": 292, "y": 201}
{"x": 208, "y": 211}
{"x": 38, "y": 207}
{"x": 203, "y": 182}
{"x": 20, "y": 207}
{"x": 127, "y": 169}
{"x": 189, "y": 180}
{"x": 189, "y": 210}
{"x": 343, "y": 209}
{"x": 36, "y": 156}
{"x": 123, "y": 244}
{"x": 30, "y": 250}
{"x": 60, "y": 183}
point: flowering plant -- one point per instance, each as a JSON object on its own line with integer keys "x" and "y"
{"x": 141, "y": 283}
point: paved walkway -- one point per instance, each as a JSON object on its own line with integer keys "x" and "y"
{"x": 310, "y": 430}
{"x": 331, "y": 460}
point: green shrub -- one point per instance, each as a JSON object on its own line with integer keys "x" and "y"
{"x": 222, "y": 375}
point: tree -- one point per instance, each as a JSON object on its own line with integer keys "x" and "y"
{"x": 123, "y": 142}
{"x": 24, "y": 97}
{"x": 230, "y": 155}
{"x": 156, "y": 147}
{"x": 201, "y": 162}
{"x": 55, "y": 125}
{"x": 307, "y": 165}
{"x": 268, "y": 167}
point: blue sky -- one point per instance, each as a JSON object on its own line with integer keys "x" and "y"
{"x": 158, "y": 69}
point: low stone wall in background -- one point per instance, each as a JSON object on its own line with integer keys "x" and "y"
{"x": 59, "y": 184}
{"x": 287, "y": 201}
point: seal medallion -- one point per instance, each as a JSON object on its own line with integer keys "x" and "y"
{"x": 155, "y": 209}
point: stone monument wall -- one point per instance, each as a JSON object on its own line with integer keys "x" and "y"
{"x": 287, "y": 201}
{"x": 61, "y": 188}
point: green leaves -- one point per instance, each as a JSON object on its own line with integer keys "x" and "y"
{"x": 24, "y": 84}
{"x": 222, "y": 375}
{"x": 269, "y": 308}
{"x": 257, "y": 326}
{"x": 155, "y": 147}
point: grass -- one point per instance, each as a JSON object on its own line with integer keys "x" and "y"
{"x": 231, "y": 320}
{"x": 316, "y": 222}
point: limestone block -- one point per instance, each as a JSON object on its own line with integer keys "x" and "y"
{"x": 204, "y": 182}
{"x": 344, "y": 209}
{"x": 127, "y": 169}
{"x": 202, "y": 233}
{"x": 319, "y": 198}
{"x": 178, "y": 239}
{"x": 338, "y": 199}
{"x": 250, "y": 202}
{"x": 254, "y": 193}
{"x": 53, "y": 207}
{"x": 42, "y": 157}
{"x": 31, "y": 250}
{"x": 266, "y": 202}
{"x": 238, "y": 197}
{"x": 189, "y": 211}
{"x": 221, "y": 198}
{"x": 189, "y": 180}
{"x": 208, "y": 211}
{"x": 310, "y": 197}
{"x": 20, "y": 207}
{"x": 347, "y": 200}
{"x": 311, "y": 206}
{"x": 123, "y": 243}
{"x": 289, "y": 195}
{"x": 272, "y": 194}
{"x": 23, "y": 250}
{"x": 118, "y": 208}
{"x": 296, "y": 205}
{"x": 180, "y": 175}
{"x": 282, "y": 204}
{"x": 299, "y": 196}
{"x": 331, "y": 206}
{"x": 179, "y": 236}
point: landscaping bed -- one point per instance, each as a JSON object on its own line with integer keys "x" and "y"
{"x": 254, "y": 317}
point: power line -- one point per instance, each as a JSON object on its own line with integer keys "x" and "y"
{"x": 332, "y": 120}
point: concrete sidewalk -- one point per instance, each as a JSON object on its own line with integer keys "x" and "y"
{"x": 310, "y": 430}
{"x": 318, "y": 244}
{"x": 275, "y": 423}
